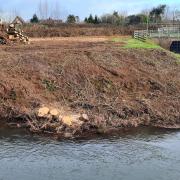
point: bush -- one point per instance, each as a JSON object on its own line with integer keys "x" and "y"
{"x": 71, "y": 19}
{"x": 34, "y": 19}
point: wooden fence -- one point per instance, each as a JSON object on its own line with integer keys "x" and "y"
{"x": 141, "y": 35}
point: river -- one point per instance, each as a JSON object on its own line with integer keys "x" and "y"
{"x": 139, "y": 154}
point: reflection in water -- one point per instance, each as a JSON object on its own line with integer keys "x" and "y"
{"x": 139, "y": 154}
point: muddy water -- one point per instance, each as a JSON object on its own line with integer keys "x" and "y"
{"x": 139, "y": 154}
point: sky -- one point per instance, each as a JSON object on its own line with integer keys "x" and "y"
{"x": 81, "y": 8}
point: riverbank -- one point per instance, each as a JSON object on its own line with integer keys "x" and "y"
{"x": 97, "y": 85}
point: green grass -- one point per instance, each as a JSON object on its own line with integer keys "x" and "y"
{"x": 133, "y": 43}
{"x": 177, "y": 56}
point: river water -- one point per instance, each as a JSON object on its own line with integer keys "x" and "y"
{"x": 139, "y": 154}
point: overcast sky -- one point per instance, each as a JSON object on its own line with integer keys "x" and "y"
{"x": 82, "y": 8}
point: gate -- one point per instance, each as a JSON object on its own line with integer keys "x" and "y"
{"x": 141, "y": 35}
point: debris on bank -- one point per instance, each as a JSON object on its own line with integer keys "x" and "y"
{"x": 53, "y": 121}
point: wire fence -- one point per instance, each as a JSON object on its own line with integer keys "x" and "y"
{"x": 164, "y": 32}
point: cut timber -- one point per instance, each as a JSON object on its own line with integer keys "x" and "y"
{"x": 54, "y": 112}
{"x": 11, "y": 37}
{"x": 16, "y": 34}
{"x": 72, "y": 120}
{"x": 43, "y": 111}
{"x": 67, "y": 120}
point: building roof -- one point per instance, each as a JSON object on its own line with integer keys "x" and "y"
{"x": 18, "y": 20}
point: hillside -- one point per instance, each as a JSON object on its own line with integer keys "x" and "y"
{"x": 115, "y": 84}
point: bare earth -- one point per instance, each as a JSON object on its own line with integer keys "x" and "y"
{"x": 116, "y": 87}
{"x": 73, "y": 39}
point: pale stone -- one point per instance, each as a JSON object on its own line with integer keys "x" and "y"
{"x": 43, "y": 111}
{"x": 85, "y": 117}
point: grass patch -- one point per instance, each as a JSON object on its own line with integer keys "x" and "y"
{"x": 177, "y": 56}
{"x": 49, "y": 85}
{"x": 134, "y": 43}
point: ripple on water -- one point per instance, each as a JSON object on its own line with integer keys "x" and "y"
{"x": 140, "y": 154}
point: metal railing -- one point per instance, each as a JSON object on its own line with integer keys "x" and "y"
{"x": 164, "y": 32}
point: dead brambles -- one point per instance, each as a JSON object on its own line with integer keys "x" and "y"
{"x": 115, "y": 87}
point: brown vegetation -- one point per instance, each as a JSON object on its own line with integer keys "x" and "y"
{"x": 74, "y": 30}
{"x": 115, "y": 87}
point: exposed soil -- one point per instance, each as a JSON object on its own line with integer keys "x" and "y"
{"x": 116, "y": 87}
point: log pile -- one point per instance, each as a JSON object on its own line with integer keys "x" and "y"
{"x": 3, "y": 39}
{"x": 15, "y": 34}
{"x": 57, "y": 121}
{"x": 3, "y": 35}
{"x": 53, "y": 121}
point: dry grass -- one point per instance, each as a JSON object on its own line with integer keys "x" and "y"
{"x": 164, "y": 42}
{"x": 75, "y": 30}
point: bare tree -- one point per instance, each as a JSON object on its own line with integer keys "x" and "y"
{"x": 166, "y": 16}
{"x": 40, "y": 9}
{"x": 146, "y": 12}
{"x": 10, "y": 16}
{"x": 55, "y": 12}
{"x": 43, "y": 9}
{"x": 176, "y": 14}
{"x": 46, "y": 9}
{"x": 114, "y": 18}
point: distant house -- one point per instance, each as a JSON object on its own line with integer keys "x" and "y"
{"x": 18, "y": 20}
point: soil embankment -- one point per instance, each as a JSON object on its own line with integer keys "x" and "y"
{"x": 109, "y": 87}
